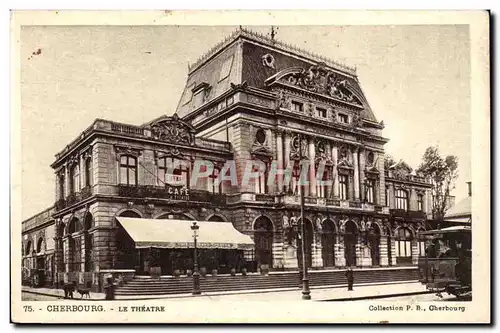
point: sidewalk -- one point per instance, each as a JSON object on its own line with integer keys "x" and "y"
{"x": 333, "y": 293}
{"x": 59, "y": 293}
{"x": 337, "y": 293}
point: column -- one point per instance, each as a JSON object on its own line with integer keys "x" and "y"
{"x": 317, "y": 260}
{"x": 391, "y": 196}
{"x": 339, "y": 251}
{"x": 384, "y": 259}
{"x": 279, "y": 152}
{"x": 312, "y": 168}
{"x": 67, "y": 186}
{"x": 393, "y": 251}
{"x": 414, "y": 252}
{"x": 329, "y": 155}
{"x": 278, "y": 255}
{"x": 335, "y": 172}
{"x": 288, "y": 139}
{"x": 356, "y": 173}
{"x": 362, "y": 173}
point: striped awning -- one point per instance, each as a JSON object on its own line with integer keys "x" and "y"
{"x": 177, "y": 234}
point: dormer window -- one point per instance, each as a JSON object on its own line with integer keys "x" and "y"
{"x": 320, "y": 112}
{"x": 297, "y": 106}
{"x": 343, "y": 118}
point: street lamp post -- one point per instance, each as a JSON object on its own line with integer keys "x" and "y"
{"x": 196, "y": 274}
{"x": 306, "y": 292}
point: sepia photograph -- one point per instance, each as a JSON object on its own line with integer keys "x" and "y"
{"x": 232, "y": 167}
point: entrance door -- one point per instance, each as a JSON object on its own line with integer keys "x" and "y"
{"x": 263, "y": 238}
{"x": 350, "y": 240}
{"x": 328, "y": 243}
{"x": 374, "y": 238}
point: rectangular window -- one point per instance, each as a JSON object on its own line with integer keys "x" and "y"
{"x": 369, "y": 190}
{"x": 128, "y": 170}
{"x": 212, "y": 186}
{"x": 261, "y": 182}
{"x": 297, "y": 106}
{"x": 168, "y": 175}
{"x": 88, "y": 172}
{"x": 343, "y": 187}
{"x": 401, "y": 199}
{"x": 320, "y": 112}
{"x": 386, "y": 196}
{"x": 343, "y": 118}
{"x": 322, "y": 189}
{"x": 420, "y": 202}
{"x": 75, "y": 174}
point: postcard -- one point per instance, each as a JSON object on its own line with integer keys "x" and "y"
{"x": 250, "y": 167}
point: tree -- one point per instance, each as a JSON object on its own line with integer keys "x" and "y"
{"x": 388, "y": 161}
{"x": 442, "y": 172}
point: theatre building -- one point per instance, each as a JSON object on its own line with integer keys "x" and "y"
{"x": 120, "y": 206}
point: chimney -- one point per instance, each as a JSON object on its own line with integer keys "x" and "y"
{"x": 469, "y": 188}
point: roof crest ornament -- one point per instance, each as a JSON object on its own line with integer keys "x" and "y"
{"x": 242, "y": 31}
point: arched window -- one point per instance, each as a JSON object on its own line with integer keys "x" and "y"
{"x": 403, "y": 246}
{"x": 74, "y": 245}
{"x": 128, "y": 170}
{"x": 75, "y": 177}
{"x": 401, "y": 199}
{"x": 173, "y": 171}
{"x": 350, "y": 241}
{"x": 27, "y": 251}
{"x": 39, "y": 245}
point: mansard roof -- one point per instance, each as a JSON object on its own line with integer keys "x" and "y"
{"x": 249, "y": 57}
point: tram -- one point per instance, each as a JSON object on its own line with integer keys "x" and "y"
{"x": 446, "y": 266}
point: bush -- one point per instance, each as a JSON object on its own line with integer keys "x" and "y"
{"x": 189, "y": 272}
{"x": 264, "y": 269}
{"x": 244, "y": 271}
{"x": 177, "y": 273}
{"x": 214, "y": 272}
{"x": 233, "y": 271}
{"x": 203, "y": 271}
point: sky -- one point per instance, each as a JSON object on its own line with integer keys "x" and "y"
{"x": 416, "y": 79}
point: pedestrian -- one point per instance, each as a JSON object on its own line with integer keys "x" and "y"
{"x": 350, "y": 277}
{"x": 110, "y": 289}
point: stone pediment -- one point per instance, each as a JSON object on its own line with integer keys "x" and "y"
{"x": 173, "y": 129}
{"x": 318, "y": 79}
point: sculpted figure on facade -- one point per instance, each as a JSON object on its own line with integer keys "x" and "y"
{"x": 320, "y": 80}
{"x": 172, "y": 130}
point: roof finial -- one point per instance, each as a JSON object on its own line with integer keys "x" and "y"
{"x": 273, "y": 33}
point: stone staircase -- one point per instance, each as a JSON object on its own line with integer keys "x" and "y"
{"x": 141, "y": 286}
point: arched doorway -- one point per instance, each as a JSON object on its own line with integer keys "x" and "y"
{"x": 263, "y": 239}
{"x": 350, "y": 241}
{"x": 328, "y": 243}
{"x": 374, "y": 244}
